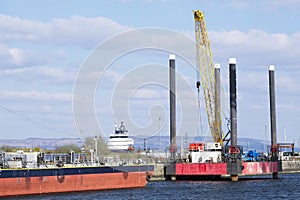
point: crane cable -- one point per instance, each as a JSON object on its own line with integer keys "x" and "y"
{"x": 33, "y": 121}
{"x": 200, "y": 124}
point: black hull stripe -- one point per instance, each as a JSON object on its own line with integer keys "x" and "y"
{"x": 19, "y": 173}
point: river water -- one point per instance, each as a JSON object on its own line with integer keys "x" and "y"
{"x": 286, "y": 187}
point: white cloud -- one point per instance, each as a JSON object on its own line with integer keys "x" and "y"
{"x": 38, "y": 73}
{"x": 263, "y": 4}
{"x": 58, "y": 74}
{"x": 239, "y": 4}
{"x": 288, "y": 84}
{"x": 34, "y": 95}
{"x": 29, "y": 108}
{"x": 147, "y": 94}
{"x": 87, "y": 32}
{"x": 254, "y": 39}
{"x": 17, "y": 57}
{"x": 77, "y": 30}
{"x": 256, "y": 47}
{"x": 280, "y": 3}
{"x": 287, "y": 108}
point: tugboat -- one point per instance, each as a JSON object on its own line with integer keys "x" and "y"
{"x": 119, "y": 141}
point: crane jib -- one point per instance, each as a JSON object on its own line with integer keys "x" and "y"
{"x": 207, "y": 75}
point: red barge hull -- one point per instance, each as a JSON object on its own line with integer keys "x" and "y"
{"x": 61, "y": 180}
{"x": 194, "y": 170}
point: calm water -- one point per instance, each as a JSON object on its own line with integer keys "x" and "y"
{"x": 287, "y": 187}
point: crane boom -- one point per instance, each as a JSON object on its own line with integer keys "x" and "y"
{"x": 206, "y": 70}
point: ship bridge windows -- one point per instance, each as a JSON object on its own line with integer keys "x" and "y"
{"x": 121, "y": 136}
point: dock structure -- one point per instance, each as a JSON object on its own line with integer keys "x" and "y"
{"x": 206, "y": 160}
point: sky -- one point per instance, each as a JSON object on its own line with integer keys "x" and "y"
{"x": 45, "y": 47}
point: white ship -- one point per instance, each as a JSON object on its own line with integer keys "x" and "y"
{"x": 119, "y": 141}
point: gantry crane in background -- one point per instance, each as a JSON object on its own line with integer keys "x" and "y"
{"x": 207, "y": 76}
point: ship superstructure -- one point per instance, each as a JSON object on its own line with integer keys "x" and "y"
{"x": 120, "y": 141}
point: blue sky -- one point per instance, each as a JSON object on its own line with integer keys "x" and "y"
{"x": 44, "y": 43}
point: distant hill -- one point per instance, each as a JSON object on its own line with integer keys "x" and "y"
{"x": 46, "y": 143}
{"x": 154, "y": 143}
{"x": 157, "y": 142}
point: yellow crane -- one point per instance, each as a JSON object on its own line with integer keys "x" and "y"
{"x": 206, "y": 71}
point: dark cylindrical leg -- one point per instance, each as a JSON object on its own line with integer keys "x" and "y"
{"x": 172, "y": 105}
{"x": 274, "y": 146}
